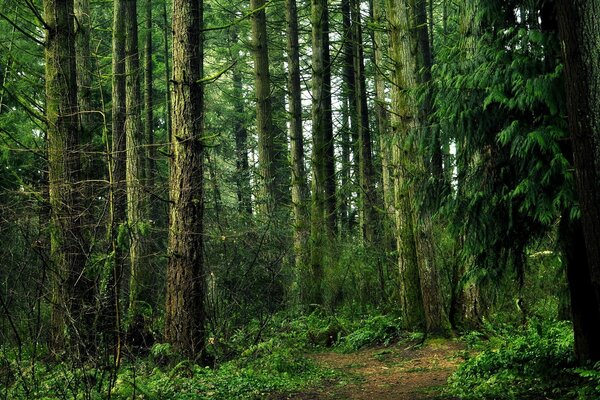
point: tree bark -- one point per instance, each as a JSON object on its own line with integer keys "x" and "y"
{"x": 242, "y": 167}
{"x": 84, "y": 70}
{"x": 350, "y": 145}
{"x": 139, "y": 284}
{"x": 366, "y": 172}
{"x": 417, "y": 256}
{"x": 185, "y": 304}
{"x": 270, "y": 195}
{"x": 149, "y": 101}
{"x": 381, "y": 111}
{"x": 72, "y": 288}
{"x": 584, "y": 311}
{"x": 580, "y": 36}
{"x": 299, "y": 186}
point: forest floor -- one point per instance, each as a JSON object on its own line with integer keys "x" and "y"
{"x": 401, "y": 372}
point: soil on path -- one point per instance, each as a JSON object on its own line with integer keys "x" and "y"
{"x": 399, "y": 372}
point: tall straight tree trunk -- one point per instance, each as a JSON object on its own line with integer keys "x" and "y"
{"x": 167, "y": 72}
{"x": 323, "y": 212}
{"x": 325, "y": 103}
{"x": 270, "y": 196}
{"x": 72, "y": 289}
{"x": 118, "y": 192}
{"x": 429, "y": 131}
{"x": 436, "y": 316}
{"x": 299, "y": 186}
{"x": 381, "y": 112}
{"x": 84, "y": 68}
{"x": 185, "y": 313}
{"x": 350, "y": 155}
{"x": 242, "y": 167}
{"x": 366, "y": 173}
{"x": 415, "y": 244}
{"x": 344, "y": 192}
{"x": 138, "y": 282}
{"x": 580, "y": 37}
{"x": 383, "y": 122}
{"x": 149, "y": 102}
{"x": 402, "y": 122}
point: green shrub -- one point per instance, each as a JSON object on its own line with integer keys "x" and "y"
{"x": 535, "y": 363}
{"x": 377, "y": 330}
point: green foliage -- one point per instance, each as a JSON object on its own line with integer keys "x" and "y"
{"x": 591, "y": 377}
{"x": 267, "y": 357}
{"x": 359, "y": 278}
{"x": 499, "y": 99}
{"x": 376, "y": 330}
{"x": 535, "y": 363}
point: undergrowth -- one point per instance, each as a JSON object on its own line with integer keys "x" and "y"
{"x": 261, "y": 358}
{"x": 535, "y": 363}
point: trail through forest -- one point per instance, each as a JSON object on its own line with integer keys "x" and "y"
{"x": 400, "y": 372}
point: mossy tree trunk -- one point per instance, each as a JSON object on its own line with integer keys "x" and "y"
{"x": 350, "y": 123}
{"x": 113, "y": 275}
{"x": 139, "y": 282}
{"x": 185, "y": 313}
{"x": 323, "y": 184}
{"x": 72, "y": 298}
{"x": 366, "y": 173}
{"x": 420, "y": 289}
{"x": 382, "y": 115}
{"x": 271, "y": 193}
{"x": 299, "y": 185}
{"x": 242, "y": 166}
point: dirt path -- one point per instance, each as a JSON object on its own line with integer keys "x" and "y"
{"x": 397, "y": 372}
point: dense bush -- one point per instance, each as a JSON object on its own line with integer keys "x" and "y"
{"x": 376, "y": 330}
{"x": 532, "y": 364}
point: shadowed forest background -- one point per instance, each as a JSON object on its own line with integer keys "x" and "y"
{"x": 218, "y": 200}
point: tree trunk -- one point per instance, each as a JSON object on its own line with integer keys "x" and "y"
{"x": 584, "y": 311}
{"x": 350, "y": 145}
{"x": 184, "y": 311}
{"x": 111, "y": 313}
{"x": 429, "y": 130}
{"x": 139, "y": 284}
{"x": 323, "y": 185}
{"x": 167, "y": 72}
{"x": 580, "y": 35}
{"x": 402, "y": 122}
{"x": 84, "y": 73}
{"x": 366, "y": 173}
{"x": 72, "y": 288}
{"x": 381, "y": 112}
{"x": 149, "y": 104}
{"x": 299, "y": 186}
{"x": 270, "y": 196}
{"x": 418, "y": 263}
{"x": 242, "y": 167}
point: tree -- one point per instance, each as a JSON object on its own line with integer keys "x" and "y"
{"x": 323, "y": 169}
{"x": 272, "y": 195}
{"x": 366, "y": 173}
{"x": 185, "y": 313}
{"x": 299, "y": 186}
{"x": 117, "y": 191}
{"x": 136, "y": 212}
{"x": 242, "y": 167}
{"x": 420, "y": 289}
{"x": 580, "y": 36}
{"x": 149, "y": 100}
{"x": 73, "y": 291}
{"x": 84, "y": 67}
{"x": 381, "y": 112}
